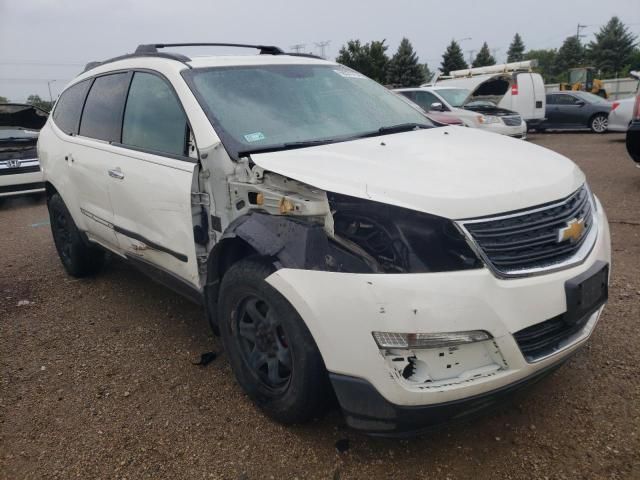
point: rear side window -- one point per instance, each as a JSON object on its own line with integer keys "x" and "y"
{"x": 425, "y": 99}
{"x": 69, "y": 107}
{"x": 153, "y": 117}
{"x": 102, "y": 115}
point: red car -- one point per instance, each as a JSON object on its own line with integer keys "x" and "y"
{"x": 444, "y": 119}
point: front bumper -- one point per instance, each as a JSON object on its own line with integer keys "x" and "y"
{"x": 365, "y": 409}
{"x": 517, "y": 131}
{"x": 341, "y": 310}
{"x": 19, "y": 183}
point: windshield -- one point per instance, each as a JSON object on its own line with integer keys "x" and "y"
{"x": 272, "y": 107}
{"x": 454, "y": 96}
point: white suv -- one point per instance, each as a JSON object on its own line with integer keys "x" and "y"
{"x": 336, "y": 239}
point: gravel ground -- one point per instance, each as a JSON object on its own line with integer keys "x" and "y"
{"x": 97, "y": 377}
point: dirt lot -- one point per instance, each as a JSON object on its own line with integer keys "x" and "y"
{"x": 97, "y": 379}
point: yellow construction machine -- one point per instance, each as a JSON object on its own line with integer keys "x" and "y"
{"x": 582, "y": 78}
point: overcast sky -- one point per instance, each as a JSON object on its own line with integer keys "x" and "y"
{"x": 52, "y": 39}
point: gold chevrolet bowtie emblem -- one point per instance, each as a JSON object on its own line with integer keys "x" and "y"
{"x": 572, "y": 232}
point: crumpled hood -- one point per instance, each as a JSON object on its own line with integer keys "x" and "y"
{"x": 453, "y": 172}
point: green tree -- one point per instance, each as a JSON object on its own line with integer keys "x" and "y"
{"x": 612, "y": 49}
{"x": 546, "y": 64}
{"x": 484, "y": 57}
{"x": 404, "y": 69}
{"x": 516, "y": 49}
{"x": 4, "y": 99}
{"x": 370, "y": 59}
{"x": 36, "y": 101}
{"x": 452, "y": 59}
{"x": 570, "y": 55}
{"x": 428, "y": 74}
{"x": 634, "y": 62}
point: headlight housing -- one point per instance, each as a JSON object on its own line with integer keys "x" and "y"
{"x": 401, "y": 240}
{"x": 428, "y": 340}
{"x": 487, "y": 119}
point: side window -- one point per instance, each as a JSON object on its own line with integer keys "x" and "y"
{"x": 102, "y": 114}
{"x": 425, "y": 99}
{"x": 565, "y": 100}
{"x": 69, "y": 107}
{"x": 551, "y": 99}
{"x": 153, "y": 117}
{"x": 410, "y": 94}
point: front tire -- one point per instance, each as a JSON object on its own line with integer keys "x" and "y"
{"x": 271, "y": 351}
{"x": 78, "y": 257}
{"x": 599, "y": 123}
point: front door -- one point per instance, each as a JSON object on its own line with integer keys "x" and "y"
{"x": 151, "y": 191}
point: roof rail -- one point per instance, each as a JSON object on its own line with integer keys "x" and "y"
{"x": 264, "y": 49}
{"x": 305, "y": 55}
{"x": 171, "y": 56}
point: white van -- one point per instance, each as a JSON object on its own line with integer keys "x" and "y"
{"x": 511, "y": 86}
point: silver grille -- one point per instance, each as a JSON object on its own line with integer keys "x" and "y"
{"x": 538, "y": 239}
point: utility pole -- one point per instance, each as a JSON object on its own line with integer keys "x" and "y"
{"x": 470, "y": 52}
{"x": 49, "y": 82}
{"x": 494, "y": 51}
{"x": 322, "y": 46}
{"x": 580, "y": 27}
{"x": 298, "y": 47}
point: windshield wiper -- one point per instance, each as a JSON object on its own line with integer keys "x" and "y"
{"x": 402, "y": 127}
{"x": 289, "y": 146}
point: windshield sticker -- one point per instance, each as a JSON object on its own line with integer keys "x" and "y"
{"x": 254, "y": 137}
{"x": 349, "y": 74}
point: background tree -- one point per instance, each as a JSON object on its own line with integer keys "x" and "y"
{"x": 484, "y": 57}
{"x": 36, "y": 101}
{"x": 634, "y": 62}
{"x": 570, "y": 55}
{"x": 516, "y": 49}
{"x": 452, "y": 59}
{"x": 369, "y": 59}
{"x": 546, "y": 64}
{"x": 404, "y": 69}
{"x": 428, "y": 74}
{"x": 4, "y": 99}
{"x": 612, "y": 49}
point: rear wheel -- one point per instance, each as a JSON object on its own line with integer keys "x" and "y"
{"x": 271, "y": 351}
{"x": 78, "y": 257}
{"x": 599, "y": 123}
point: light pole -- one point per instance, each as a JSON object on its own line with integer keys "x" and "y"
{"x": 49, "y": 82}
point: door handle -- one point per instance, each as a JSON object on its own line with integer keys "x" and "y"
{"x": 116, "y": 173}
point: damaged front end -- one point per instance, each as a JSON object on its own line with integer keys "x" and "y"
{"x": 306, "y": 228}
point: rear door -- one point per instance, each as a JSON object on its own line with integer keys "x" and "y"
{"x": 91, "y": 154}
{"x": 522, "y": 97}
{"x": 151, "y": 189}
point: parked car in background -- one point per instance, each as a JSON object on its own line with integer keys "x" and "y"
{"x": 512, "y": 86}
{"x": 19, "y": 166}
{"x": 438, "y": 117}
{"x": 576, "y": 111}
{"x": 621, "y": 114}
{"x": 474, "y": 112}
{"x": 633, "y": 133}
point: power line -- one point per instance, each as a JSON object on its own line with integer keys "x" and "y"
{"x": 322, "y": 46}
{"x": 298, "y": 47}
{"x": 42, "y": 64}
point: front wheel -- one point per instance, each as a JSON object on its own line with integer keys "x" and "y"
{"x": 599, "y": 123}
{"x": 271, "y": 351}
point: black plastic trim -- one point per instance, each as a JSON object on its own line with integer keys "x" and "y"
{"x": 152, "y": 48}
{"x": 367, "y": 410}
{"x": 21, "y": 188}
{"x": 128, "y": 233}
{"x": 166, "y": 278}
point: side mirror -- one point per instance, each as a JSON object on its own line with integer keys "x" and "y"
{"x": 436, "y": 106}
{"x": 580, "y": 103}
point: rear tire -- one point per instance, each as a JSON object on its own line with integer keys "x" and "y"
{"x": 270, "y": 349}
{"x": 599, "y": 123}
{"x": 79, "y": 258}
